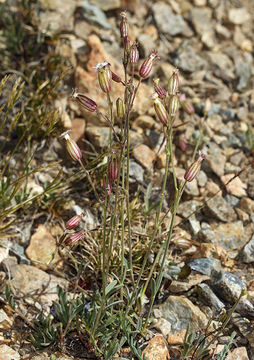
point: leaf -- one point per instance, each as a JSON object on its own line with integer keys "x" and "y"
{"x": 110, "y": 287}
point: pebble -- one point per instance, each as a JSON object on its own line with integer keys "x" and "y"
{"x": 235, "y": 187}
{"x": 177, "y": 338}
{"x": 188, "y": 60}
{"x": 145, "y": 156}
{"x": 223, "y": 65}
{"x": 248, "y": 252}
{"x": 239, "y": 353}
{"x": 219, "y": 209}
{"x": 244, "y": 74}
{"x": 181, "y": 312}
{"x": 41, "y": 248}
{"x": 146, "y": 45}
{"x": 204, "y": 265}
{"x": 208, "y": 250}
{"x": 201, "y": 178}
{"x": 5, "y": 321}
{"x": 94, "y": 15}
{"x": 136, "y": 172}
{"x": 7, "y": 353}
{"x": 215, "y": 159}
{"x": 156, "y": 349}
{"x": 228, "y": 286}
{"x": 107, "y": 5}
{"x": 144, "y": 122}
{"x": 246, "y": 204}
{"x": 166, "y": 21}
{"x": 242, "y": 215}
{"x": 208, "y": 297}
{"x": 186, "y": 208}
{"x": 99, "y": 136}
{"x": 230, "y": 235}
{"x": 238, "y": 16}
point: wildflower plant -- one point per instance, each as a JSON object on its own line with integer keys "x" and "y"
{"x": 116, "y": 314}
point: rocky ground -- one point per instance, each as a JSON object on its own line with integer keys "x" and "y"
{"x": 211, "y": 43}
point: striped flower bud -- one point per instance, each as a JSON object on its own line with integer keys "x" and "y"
{"x": 193, "y": 170}
{"x": 116, "y": 78}
{"x": 84, "y": 101}
{"x": 72, "y": 147}
{"x": 186, "y": 105}
{"x": 73, "y": 222}
{"x": 113, "y": 168}
{"x": 123, "y": 25}
{"x": 147, "y": 65}
{"x": 119, "y": 108}
{"x": 173, "y": 83}
{"x": 72, "y": 239}
{"x": 160, "y": 110}
{"x": 134, "y": 54}
{"x": 104, "y": 76}
{"x": 159, "y": 89}
{"x": 173, "y": 105}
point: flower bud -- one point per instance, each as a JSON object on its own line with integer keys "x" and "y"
{"x": 173, "y": 83}
{"x": 123, "y": 25}
{"x": 84, "y": 101}
{"x": 116, "y": 78}
{"x": 193, "y": 170}
{"x": 147, "y": 65}
{"x": 72, "y": 239}
{"x": 119, "y": 108}
{"x": 134, "y": 54}
{"x": 182, "y": 142}
{"x": 73, "y": 222}
{"x": 160, "y": 110}
{"x": 72, "y": 147}
{"x": 104, "y": 76}
{"x": 173, "y": 105}
{"x": 159, "y": 89}
{"x": 186, "y": 105}
{"x": 113, "y": 168}
{"x": 127, "y": 45}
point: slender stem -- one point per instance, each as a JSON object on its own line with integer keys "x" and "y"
{"x": 172, "y": 158}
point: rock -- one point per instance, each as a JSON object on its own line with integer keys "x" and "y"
{"x": 206, "y": 234}
{"x": 57, "y": 17}
{"x": 4, "y": 252}
{"x": 229, "y": 235}
{"x": 146, "y": 45}
{"x": 204, "y": 265}
{"x": 242, "y": 215}
{"x": 161, "y": 160}
{"x": 7, "y": 353}
{"x": 78, "y": 128}
{"x": 94, "y": 15}
{"x": 238, "y": 16}
{"x": 188, "y": 60}
{"x": 156, "y": 349}
{"x": 232, "y": 200}
{"x": 218, "y": 208}
{"x": 98, "y": 135}
{"x": 166, "y": 21}
{"x": 186, "y": 208}
{"x": 106, "y": 5}
{"x": 212, "y": 251}
{"x": 222, "y": 31}
{"x": 200, "y": 2}
{"x": 212, "y": 188}
{"x": 247, "y": 205}
{"x": 82, "y": 29}
{"x": 136, "y": 172}
{"x": 243, "y": 72}
{"x": 208, "y": 297}
{"x": 228, "y": 286}
{"x": 144, "y": 122}
{"x": 201, "y": 178}
{"x": 30, "y": 281}
{"x": 216, "y": 159}
{"x": 177, "y": 338}
{"x": 223, "y": 65}
{"x": 180, "y": 312}
{"x": 145, "y": 156}
{"x": 239, "y": 353}
{"x": 41, "y": 248}
{"x": 178, "y": 286}
{"x": 248, "y": 252}
{"x": 5, "y": 321}
{"x": 201, "y": 19}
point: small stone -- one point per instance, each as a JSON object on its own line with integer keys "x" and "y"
{"x": 3, "y": 254}
{"x": 5, "y": 321}
{"x": 201, "y": 178}
{"x": 247, "y": 205}
{"x": 242, "y": 215}
{"x": 248, "y": 252}
{"x": 222, "y": 31}
{"x": 41, "y": 248}
{"x": 136, "y": 172}
{"x": 223, "y": 65}
{"x": 107, "y": 5}
{"x": 216, "y": 159}
{"x": 146, "y": 45}
{"x": 212, "y": 188}
{"x": 177, "y": 338}
{"x": 235, "y": 187}
{"x": 183, "y": 286}
{"x": 161, "y": 161}
{"x": 82, "y": 29}
{"x": 218, "y": 208}
{"x": 200, "y": 2}
{"x": 188, "y": 60}
{"x": 145, "y": 156}
{"x": 204, "y": 265}
{"x": 156, "y": 349}
{"x": 186, "y": 208}
{"x": 229, "y": 235}
{"x": 238, "y": 16}
{"x": 94, "y": 15}
{"x": 212, "y": 251}
{"x": 228, "y": 286}
{"x": 166, "y": 21}
{"x": 99, "y": 136}
{"x": 239, "y": 353}
{"x": 7, "y": 353}
{"x": 209, "y": 298}
{"x": 144, "y": 122}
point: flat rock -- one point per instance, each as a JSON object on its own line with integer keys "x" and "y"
{"x": 179, "y": 312}
{"x": 188, "y": 60}
{"x": 223, "y": 65}
{"x": 239, "y": 16}
{"x": 177, "y": 338}
{"x": 166, "y": 21}
{"x": 204, "y": 265}
{"x": 7, "y": 353}
{"x": 216, "y": 159}
{"x": 226, "y": 285}
{"x": 32, "y": 282}
{"x": 41, "y": 248}
{"x": 136, "y": 172}
{"x": 239, "y": 353}
{"x": 156, "y": 349}
{"x": 219, "y": 209}
{"x": 248, "y": 252}
{"x": 208, "y": 297}
{"x": 230, "y": 235}
{"x": 98, "y": 135}
{"x": 145, "y": 156}
{"x": 94, "y": 15}
{"x": 235, "y": 187}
